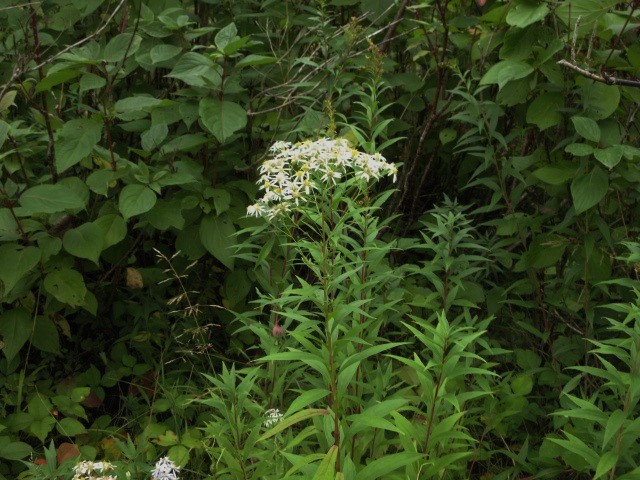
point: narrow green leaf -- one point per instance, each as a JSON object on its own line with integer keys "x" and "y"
{"x": 614, "y": 422}
{"x": 327, "y": 468}
{"x": 607, "y": 461}
{"x": 577, "y": 446}
{"x": 387, "y": 464}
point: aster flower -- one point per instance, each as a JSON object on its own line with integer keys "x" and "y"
{"x": 88, "y": 470}
{"x": 295, "y": 171}
{"x": 165, "y": 469}
{"x": 273, "y": 416}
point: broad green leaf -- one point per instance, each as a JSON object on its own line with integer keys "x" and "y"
{"x": 8, "y": 100}
{"x": 45, "y": 335}
{"x": 327, "y": 468}
{"x": 292, "y": 420}
{"x": 522, "y": 384}
{"x": 66, "y": 286}
{"x": 164, "y": 52}
{"x": 15, "y": 329}
{"x": 121, "y": 45}
{"x": 91, "y": 81}
{"x": 610, "y": 156}
{"x": 135, "y": 200}
{"x": 599, "y": 101}
{"x": 544, "y": 110}
{"x": 179, "y": 454}
{"x": 588, "y": 189}
{"x": 579, "y": 149}
{"x": 154, "y": 137}
{"x": 221, "y": 117}
{"x": 100, "y": 180}
{"x": 15, "y": 450}
{"x": 525, "y": 12}
{"x": 217, "y": 234}
{"x": 447, "y": 135}
{"x": 503, "y": 72}
{"x": 166, "y": 214}
{"x": 137, "y": 103}
{"x": 70, "y": 427}
{"x": 56, "y": 78}
{"x": 225, "y": 35}
{"x": 16, "y": 262}
{"x": 8, "y": 227}
{"x": 588, "y": 11}
{"x": 113, "y": 228}
{"x": 197, "y": 70}
{"x": 221, "y": 199}
{"x": 50, "y": 199}
{"x": 586, "y": 128}
{"x": 76, "y": 141}
{"x": 184, "y": 143}
{"x": 4, "y": 131}
{"x": 86, "y": 241}
{"x": 556, "y": 175}
{"x": 545, "y": 250}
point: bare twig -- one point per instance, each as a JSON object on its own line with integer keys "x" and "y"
{"x": 19, "y": 71}
{"x": 603, "y": 78}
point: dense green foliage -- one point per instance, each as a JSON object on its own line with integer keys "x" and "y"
{"x": 478, "y": 318}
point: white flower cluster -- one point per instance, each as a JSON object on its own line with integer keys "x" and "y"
{"x": 273, "y": 416}
{"x": 165, "y": 469}
{"x": 88, "y": 470}
{"x": 296, "y": 170}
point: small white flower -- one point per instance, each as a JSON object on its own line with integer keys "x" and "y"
{"x": 165, "y": 469}
{"x": 255, "y": 210}
{"x": 273, "y": 416}
{"x": 87, "y": 470}
{"x": 295, "y": 171}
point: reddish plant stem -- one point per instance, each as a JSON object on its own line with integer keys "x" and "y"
{"x": 51, "y": 152}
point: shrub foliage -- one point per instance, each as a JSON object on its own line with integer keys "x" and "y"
{"x": 476, "y": 318}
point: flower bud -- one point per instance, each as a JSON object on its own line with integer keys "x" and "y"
{"x": 277, "y": 331}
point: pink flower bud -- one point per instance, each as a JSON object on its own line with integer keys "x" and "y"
{"x": 277, "y": 331}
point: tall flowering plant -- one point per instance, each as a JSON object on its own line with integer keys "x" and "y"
{"x": 327, "y": 286}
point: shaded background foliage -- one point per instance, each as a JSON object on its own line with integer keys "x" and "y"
{"x": 130, "y": 133}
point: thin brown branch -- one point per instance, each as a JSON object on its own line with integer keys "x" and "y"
{"x": 603, "y": 78}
